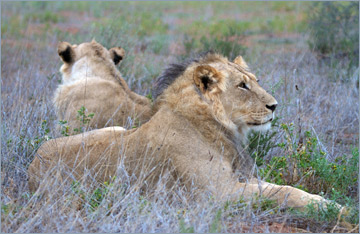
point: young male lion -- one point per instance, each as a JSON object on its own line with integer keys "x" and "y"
{"x": 205, "y": 107}
{"x": 91, "y": 80}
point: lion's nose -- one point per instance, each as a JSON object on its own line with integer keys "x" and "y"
{"x": 272, "y": 107}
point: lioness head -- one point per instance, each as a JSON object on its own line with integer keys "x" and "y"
{"x": 229, "y": 88}
{"x": 72, "y": 53}
{"x": 86, "y": 57}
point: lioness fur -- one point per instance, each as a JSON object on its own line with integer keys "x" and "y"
{"x": 90, "y": 79}
{"x": 205, "y": 108}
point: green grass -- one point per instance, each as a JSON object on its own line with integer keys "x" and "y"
{"x": 150, "y": 23}
{"x": 44, "y": 17}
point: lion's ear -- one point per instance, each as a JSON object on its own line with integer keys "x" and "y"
{"x": 240, "y": 61}
{"x": 209, "y": 80}
{"x": 117, "y": 54}
{"x": 66, "y": 52}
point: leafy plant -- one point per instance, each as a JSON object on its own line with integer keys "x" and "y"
{"x": 306, "y": 167}
{"x": 64, "y": 128}
{"x": 149, "y": 96}
{"x": 28, "y": 145}
{"x": 83, "y": 119}
{"x": 261, "y": 143}
{"x": 43, "y": 135}
{"x": 98, "y": 195}
{"x": 94, "y": 198}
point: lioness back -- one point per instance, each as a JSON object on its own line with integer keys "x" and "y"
{"x": 92, "y": 81}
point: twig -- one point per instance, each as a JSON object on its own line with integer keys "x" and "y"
{"x": 356, "y": 227}
{"x": 323, "y": 148}
{"x": 336, "y": 225}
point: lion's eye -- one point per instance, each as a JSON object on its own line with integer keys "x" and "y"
{"x": 243, "y": 85}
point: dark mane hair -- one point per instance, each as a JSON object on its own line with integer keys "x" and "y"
{"x": 173, "y": 71}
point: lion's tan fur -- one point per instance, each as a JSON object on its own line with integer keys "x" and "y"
{"x": 196, "y": 134}
{"x": 91, "y": 79}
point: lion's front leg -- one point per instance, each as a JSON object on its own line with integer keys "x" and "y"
{"x": 284, "y": 195}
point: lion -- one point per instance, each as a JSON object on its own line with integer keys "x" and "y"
{"x": 205, "y": 108}
{"x": 91, "y": 80}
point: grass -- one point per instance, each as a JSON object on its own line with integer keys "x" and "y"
{"x": 318, "y": 102}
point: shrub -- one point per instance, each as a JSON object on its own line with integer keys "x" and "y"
{"x": 306, "y": 167}
{"x": 334, "y": 29}
{"x": 225, "y": 40}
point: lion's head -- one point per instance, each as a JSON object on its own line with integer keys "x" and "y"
{"x": 229, "y": 89}
{"x": 84, "y": 57}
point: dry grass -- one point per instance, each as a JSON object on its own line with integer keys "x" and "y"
{"x": 321, "y": 103}
{"x": 302, "y": 84}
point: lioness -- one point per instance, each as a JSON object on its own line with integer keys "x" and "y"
{"x": 205, "y": 107}
{"x": 91, "y": 79}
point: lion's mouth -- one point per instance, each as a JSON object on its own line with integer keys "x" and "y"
{"x": 258, "y": 124}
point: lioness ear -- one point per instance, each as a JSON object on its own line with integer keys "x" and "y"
{"x": 240, "y": 61}
{"x": 117, "y": 54}
{"x": 209, "y": 80}
{"x": 66, "y": 52}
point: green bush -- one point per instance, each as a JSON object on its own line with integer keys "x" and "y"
{"x": 334, "y": 29}
{"x": 224, "y": 40}
{"x": 306, "y": 167}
